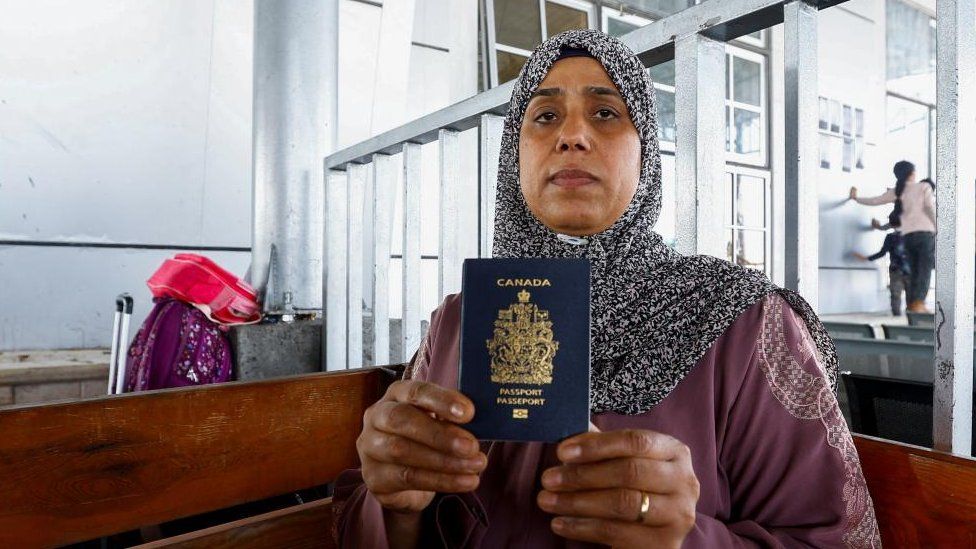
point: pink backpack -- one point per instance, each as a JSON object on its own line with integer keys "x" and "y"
{"x": 197, "y": 280}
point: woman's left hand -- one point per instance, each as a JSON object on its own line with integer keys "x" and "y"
{"x": 606, "y": 478}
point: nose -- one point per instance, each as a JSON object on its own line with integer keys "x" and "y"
{"x": 574, "y": 135}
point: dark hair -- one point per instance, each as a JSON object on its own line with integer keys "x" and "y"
{"x": 903, "y": 170}
{"x": 929, "y": 181}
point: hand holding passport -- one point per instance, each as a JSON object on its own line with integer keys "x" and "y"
{"x": 525, "y": 347}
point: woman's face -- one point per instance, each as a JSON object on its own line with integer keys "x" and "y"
{"x": 579, "y": 152}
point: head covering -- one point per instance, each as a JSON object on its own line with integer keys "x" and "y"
{"x": 654, "y": 312}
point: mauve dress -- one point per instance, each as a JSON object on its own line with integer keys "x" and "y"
{"x": 773, "y": 455}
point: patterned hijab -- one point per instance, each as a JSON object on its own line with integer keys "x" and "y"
{"x": 654, "y": 312}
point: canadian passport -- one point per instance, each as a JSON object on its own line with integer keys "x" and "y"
{"x": 525, "y": 347}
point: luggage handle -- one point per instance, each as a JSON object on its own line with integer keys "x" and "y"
{"x": 120, "y": 336}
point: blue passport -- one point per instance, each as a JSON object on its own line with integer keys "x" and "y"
{"x": 525, "y": 347}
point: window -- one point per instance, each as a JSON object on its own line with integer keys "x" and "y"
{"x": 757, "y": 39}
{"x": 663, "y": 8}
{"x": 910, "y": 51}
{"x": 745, "y": 95}
{"x": 910, "y": 134}
{"x": 746, "y": 218}
{"x": 910, "y": 105}
{"x": 518, "y": 26}
{"x": 662, "y": 75}
{"x": 841, "y": 135}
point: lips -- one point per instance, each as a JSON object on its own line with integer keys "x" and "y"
{"x": 572, "y": 178}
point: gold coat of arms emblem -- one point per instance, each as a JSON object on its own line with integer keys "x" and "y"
{"x": 522, "y": 347}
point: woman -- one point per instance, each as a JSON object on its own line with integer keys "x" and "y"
{"x": 713, "y": 412}
{"x": 914, "y": 214}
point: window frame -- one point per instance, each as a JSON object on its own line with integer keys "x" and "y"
{"x": 632, "y": 19}
{"x": 755, "y": 42}
{"x": 581, "y": 5}
{"x": 494, "y": 46}
{"x": 733, "y": 174}
{"x": 761, "y": 159}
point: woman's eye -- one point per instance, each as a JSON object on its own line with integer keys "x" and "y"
{"x": 546, "y": 117}
{"x": 605, "y": 114}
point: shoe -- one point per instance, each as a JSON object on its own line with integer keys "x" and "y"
{"x": 918, "y": 307}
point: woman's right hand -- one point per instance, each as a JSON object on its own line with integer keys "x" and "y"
{"x": 412, "y": 446}
{"x": 853, "y": 193}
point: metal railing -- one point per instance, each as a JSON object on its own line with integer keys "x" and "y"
{"x": 693, "y": 38}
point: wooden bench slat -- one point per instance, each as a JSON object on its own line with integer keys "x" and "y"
{"x": 76, "y": 471}
{"x": 922, "y": 498}
{"x": 307, "y": 525}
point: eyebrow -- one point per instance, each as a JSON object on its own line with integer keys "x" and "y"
{"x": 591, "y": 90}
{"x": 600, "y": 90}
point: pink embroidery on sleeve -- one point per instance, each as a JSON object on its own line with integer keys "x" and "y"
{"x": 809, "y": 396}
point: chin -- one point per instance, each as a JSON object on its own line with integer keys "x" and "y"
{"x": 577, "y": 223}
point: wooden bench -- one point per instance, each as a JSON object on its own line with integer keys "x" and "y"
{"x": 81, "y": 470}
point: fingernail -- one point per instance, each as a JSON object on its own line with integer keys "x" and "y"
{"x": 572, "y": 452}
{"x": 547, "y": 499}
{"x": 473, "y": 463}
{"x": 461, "y": 445}
{"x": 457, "y": 410}
{"x": 552, "y": 478}
{"x": 559, "y": 523}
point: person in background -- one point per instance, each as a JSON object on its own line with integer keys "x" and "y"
{"x": 914, "y": 213}
{"x": 898, "y": 269}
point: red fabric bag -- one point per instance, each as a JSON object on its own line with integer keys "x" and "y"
{"x": 197, "y": 280}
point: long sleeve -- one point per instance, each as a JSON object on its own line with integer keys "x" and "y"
{"x": 451, "y": 520}
{"x": 928, "y": 205}
{"x": 793, "y": 470}
{"x": 358, "y": 516}
{"x": 887, "y": 198}
{"x": 885, "y": 248}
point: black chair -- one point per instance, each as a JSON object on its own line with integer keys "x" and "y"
{"x": 924, "y": 320}
{"x": 920, "y": 334}
{"x": 892, "y": 409}
{"x": 849, "y": 329}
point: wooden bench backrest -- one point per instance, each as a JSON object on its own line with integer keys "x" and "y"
{"x": 76, "y": 471}
{"x": 922, "y": 498}
{"x": 80, "y": 470}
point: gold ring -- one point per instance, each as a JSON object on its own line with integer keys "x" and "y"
{"x": 645, "y": 506}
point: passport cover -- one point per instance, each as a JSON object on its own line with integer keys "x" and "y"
{"x": 525, "y": 347}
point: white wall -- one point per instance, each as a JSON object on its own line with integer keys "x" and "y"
{"x": 131, "y": 124}
{"x": 852, "y": 71}
{"x": 119, "y": 124}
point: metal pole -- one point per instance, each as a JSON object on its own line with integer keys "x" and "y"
{"x": 448, "y": 254}
{"x": 359, "y": 177}
{"x": 411, "y": 280}
{"x": 700, "y": 144}
{"x": 489, "y": 147}
{"x": 956, "y": 174}
{"x": 335, "y": 324}
{"x": 294, "y": 127}
{"x": 801, "y": 238}
{"x": 384, "y": 186}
